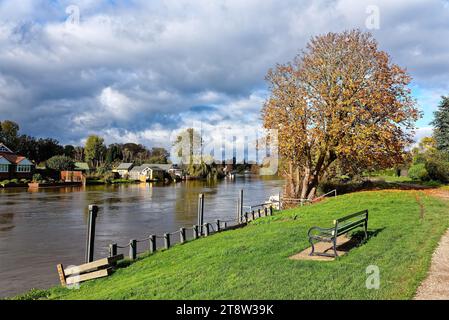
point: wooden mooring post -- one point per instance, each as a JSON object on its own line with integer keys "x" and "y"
{"x": 90, "y": 236}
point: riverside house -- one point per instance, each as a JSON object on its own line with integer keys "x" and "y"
{"x": 14, "y": 166}
{"x": 123, "y": 169}
{"x": 147, "y": 172}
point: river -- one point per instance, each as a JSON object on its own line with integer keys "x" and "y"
{"x": 40, "y": 229}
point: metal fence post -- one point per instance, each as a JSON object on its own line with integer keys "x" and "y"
{"x": 152, "y": 243}
{"x": 182, "y": 235}
{"x": 112, "y": 249}
{"x": 271, "y": 210}
{"x": 133, "y": 249}
{"x": 265, "y": 211}
{"x": 90, "y": 237}
{"x": 206, "y": 228}
{"x": 167, "y": 240}
{"x": 252, "y": 215}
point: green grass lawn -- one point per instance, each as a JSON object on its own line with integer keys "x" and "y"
{"x": 252, "y": 263}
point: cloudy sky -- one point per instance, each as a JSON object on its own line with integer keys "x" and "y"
{"x": 135, "y": 70}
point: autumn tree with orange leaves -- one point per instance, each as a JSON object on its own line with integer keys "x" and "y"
{"x": 341, "y": 101}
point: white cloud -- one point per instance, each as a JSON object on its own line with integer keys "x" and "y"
{"x": 139, "y": 69}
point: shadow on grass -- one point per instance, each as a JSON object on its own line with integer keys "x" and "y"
{"x": 358, "y": 239}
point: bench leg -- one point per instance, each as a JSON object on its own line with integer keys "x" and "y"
{"x": 313, "y": 247}
{"x": 335, "y": 246}
{"x": 366, "y": 230}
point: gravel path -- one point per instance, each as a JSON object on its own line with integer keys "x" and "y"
{"x": 436, "y": 285}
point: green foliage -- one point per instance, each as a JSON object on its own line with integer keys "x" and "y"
{"x": 37, "y": 177}
{"x": 9, "y": 133}
{"x": 60, "y": 163}
{"x": 33, "y": 294}
{"x": 69, "y": 151}
{"x": 418, "y": 172}
{"x": 4, "y": 183}
{"x": 435, "y": 162}
{"x": 94, "y": 150}
{"x": 253, "y": 261}
{"x": 441, "y": 125}
{"x": 438, "y": 168}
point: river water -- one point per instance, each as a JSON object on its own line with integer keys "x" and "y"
{"x": 40, "y": 229}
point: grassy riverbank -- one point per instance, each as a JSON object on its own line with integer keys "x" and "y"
{"x": 252, "y": 263}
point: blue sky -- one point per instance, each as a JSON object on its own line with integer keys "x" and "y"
{"x": 137, "y": 71}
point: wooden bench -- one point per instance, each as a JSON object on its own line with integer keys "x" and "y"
{"x": 88, "y": 271}
{"x": 341, "y": 227}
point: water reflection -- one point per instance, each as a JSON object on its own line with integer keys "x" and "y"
{"x": 42, "y": 228}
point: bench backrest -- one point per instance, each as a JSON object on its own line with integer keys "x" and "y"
{"x": 349, "y": 222}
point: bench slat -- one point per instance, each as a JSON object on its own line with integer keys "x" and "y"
{"x": 89, "y": 276}
{"x": 349, "y": 226}
{"x": 364, "y": 213}
{"x": 87, "y": 267}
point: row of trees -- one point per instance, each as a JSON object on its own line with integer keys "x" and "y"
{"x": 431, "y": 156}
{"x": 95, "y": 151}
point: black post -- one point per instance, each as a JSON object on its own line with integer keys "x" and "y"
{"x": 258, "y": 213}
{"x": 195, "y": 232}
{"x": 90, "y": 237}
{"x": 201, "y": 211}
{"x": 246, "y": 217}
{"x": 182, "y": 235}
{"x": 271, "y": 210}
{"x": 152, "y": 243}
{"x": 240, "y": 207}
{"x": 218, "y": 225}
{"x": 206, "y": 227}
{"x": 265, "y": 211}
{"x": 167, "y": 240}
{"x": 112, "y": 250}
{"x": 133, "y": 249}
{"x": 252, "y": 215}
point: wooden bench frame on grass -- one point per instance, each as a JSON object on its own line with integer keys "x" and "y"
{"x": 341, "y": 226}
{"x": 88, "y": 271}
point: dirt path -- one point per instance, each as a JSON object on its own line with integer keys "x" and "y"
{"x": 436, "y": 285}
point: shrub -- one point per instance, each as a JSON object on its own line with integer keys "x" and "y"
{"x": 37, "y": 177}
{"x": 4, "y": 183}
{"x": 60, "y": 163}
{"x": 418, "y": 172}
{"x": 438, "y": 169}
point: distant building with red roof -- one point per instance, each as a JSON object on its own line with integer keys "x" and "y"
{"x": 14, "y": 166}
